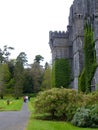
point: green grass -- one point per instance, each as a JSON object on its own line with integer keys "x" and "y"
{"x": 52, "y": 125}
{"x": 14, "y": 105}
{"x": 35, "y": 124}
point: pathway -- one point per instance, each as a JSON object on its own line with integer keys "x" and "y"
{"x": 14, "y": 120}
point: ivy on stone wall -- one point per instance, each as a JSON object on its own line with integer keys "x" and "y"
{"x": 61, "y": 73}
{"x": 89, "y": 60}
{"x": 82, "y": 81}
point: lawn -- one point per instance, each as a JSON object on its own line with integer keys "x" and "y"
{"x": 14, "y": 105}
{"x": 52, "y": 125}
{"x": 35, "y": 124}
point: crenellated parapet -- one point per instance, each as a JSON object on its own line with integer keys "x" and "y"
{"x": 57, "y": 38}
{"x": 56, "y": 34}
{"x": 58, "y": 42}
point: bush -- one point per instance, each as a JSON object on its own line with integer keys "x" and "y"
{"x": 94, "y": 116}
{"x": 81, "y": 118}
{"x": 59, "y": 103}
{"x": 86, "y": 117}
{"x": 90, "y": 99}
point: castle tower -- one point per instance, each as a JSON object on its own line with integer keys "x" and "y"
{"x": 95, "y": 5}
{"x": 96, "y": 27}
{"x": 77, "y": 39}
{"x": 70, "y": 44}
{"x": 59, "y": 45}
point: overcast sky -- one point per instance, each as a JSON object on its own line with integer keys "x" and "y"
{"x": 25, "y": 25}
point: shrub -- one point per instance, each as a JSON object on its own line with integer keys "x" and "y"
{"x": 59, "y": 103}
{"x": 82, "y": 117}
{"x": 86, "y": 117}
{"x": 94, "y": 116}
{"x": 90, "y": 99}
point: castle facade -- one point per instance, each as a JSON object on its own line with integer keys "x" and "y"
{"x": 70, "y": 44}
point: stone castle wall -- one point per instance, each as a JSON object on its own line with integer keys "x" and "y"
{"x": 70, "y": 44}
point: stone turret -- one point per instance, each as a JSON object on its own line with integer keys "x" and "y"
{"x": 58, "y": 42}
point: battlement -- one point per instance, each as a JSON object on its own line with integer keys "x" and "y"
{"x": 56, "y": 34}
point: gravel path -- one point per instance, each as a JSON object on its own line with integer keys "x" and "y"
{"x": 14, "y": 120}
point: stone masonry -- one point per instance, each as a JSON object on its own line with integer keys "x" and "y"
{"x": 70, "y": 44}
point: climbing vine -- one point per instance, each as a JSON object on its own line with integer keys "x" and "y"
{"x": 61, "y": 73}
{"x": 89, "y": 60}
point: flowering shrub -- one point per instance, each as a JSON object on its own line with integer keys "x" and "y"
{"x": 59, "y": 103}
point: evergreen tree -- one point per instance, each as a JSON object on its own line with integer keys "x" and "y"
{"x": 37, "y": 73}
{"x": 46, "y": 82}
{"x": 38, "y": 58}
{"x": 19, "y": 74}
{"x": 4, "y": 79}
{"x": 28, "y": 82}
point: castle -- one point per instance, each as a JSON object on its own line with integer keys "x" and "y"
{"x": 70, "y": 44}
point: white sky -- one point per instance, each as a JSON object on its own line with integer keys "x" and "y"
{"x": 25, "y": 25}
